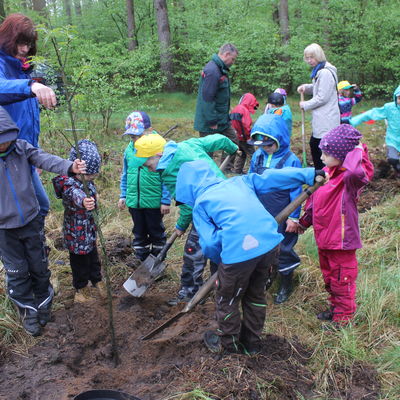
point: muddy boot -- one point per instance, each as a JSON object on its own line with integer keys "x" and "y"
{"x": 178, "y": 300}
{"x": 83, "y": 295}
{"x": 44, "y": 315}
{"x": 326, "y": 315}
{"x": 29, "y": 319}
{"x": 212, "y": 342}
{"x": 285, "y": 288}
{"x": 100, "y": 290}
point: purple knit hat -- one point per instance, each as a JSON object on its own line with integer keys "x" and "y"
{"x": 340, "y": 140}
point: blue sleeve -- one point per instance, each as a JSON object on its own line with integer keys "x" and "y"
{"x": 123, "y": 184}
{"x": 209, "y": 239}
{"x": 374, "y": 114}
{"x": 295, "y": 162}
{"x": 280, "y": 179}
{"x": 165, "y": 195}
{"x": 13, "y": 90}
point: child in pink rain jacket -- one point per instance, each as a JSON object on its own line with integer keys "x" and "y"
{"x": 332, "y": 210}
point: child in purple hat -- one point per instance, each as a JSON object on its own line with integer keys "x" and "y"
{"x": 332, "y": 210}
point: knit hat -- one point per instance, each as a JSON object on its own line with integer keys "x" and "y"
{"x": 136, "y": 123}
{"x": 89, "y": 153}
{"x": 149, "y": 145}
{"x": 340, "y": 140}
{"x": 281, "y": 91}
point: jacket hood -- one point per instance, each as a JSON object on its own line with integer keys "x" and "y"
{"x": 8, "y": 129}
{"x": 274, "y": 127}
{"x": 220, "y": 63}
{"x": 249, "y": 101}
{"x": 395, "y": 94}
{"x": 193, "y": 179}
{"x": 168, "y": 155}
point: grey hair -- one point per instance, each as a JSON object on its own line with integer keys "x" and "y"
{"x": 228, "y": 48}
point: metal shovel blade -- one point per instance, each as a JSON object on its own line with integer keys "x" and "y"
{"x": 144, "y": 276}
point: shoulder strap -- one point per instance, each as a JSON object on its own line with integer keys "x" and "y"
{"x": 282, "y": 161}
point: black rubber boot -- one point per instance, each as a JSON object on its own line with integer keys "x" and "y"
{"x": 285, "y": 288}
{"x": 29, "y": 319}
{"x": 44, "y": 315}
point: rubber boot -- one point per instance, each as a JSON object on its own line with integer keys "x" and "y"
{"x": 44, "y": 314}
{"x": 29, "y": 319}
{"x": 285, "y": 288}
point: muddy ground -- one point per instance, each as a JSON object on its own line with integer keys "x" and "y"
{"x": 75, "y": 355}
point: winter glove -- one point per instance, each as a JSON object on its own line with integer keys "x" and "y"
{"x": 320, "y": 172}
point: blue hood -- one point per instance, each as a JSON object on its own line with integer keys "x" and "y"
{"x": 395, "y": 94}
{"x": 168, "y": 155}
{"x": 273, "y": 126}
{"x": 193, "y": 179}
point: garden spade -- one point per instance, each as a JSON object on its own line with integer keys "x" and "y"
{"x": 148, "y": 271}
{"x": 210, "y": 283}
{"x": 152, "y": 267}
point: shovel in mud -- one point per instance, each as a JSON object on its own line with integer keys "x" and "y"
{"x": 210, "y": 283}
{"x": 152, "y": 267}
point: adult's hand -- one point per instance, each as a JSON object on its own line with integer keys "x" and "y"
{"x": 44, "y": 94}
{"x": 301, "y": 89}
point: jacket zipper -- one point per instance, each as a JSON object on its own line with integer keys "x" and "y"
{"x": 14, "y": 193}
{"x": 138, "y": 188}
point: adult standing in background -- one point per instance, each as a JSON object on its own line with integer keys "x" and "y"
{"x": 324, "y": 103}
{"x": 213, "y": 99}
{"x": 19, "y": 94}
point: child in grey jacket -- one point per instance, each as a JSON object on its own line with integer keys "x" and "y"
{"x": 21, "y": 236}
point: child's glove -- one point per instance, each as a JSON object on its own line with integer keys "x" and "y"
{"x": 320, "y": 172}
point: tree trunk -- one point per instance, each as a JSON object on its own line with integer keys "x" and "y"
{"x": 78, "y": 8}
{"x": 40, "y": 7}
{"x": 67, "y": 10}
{"x": 2, "y": 11}
{"x": 130, "y": 12}
{"x": 164, "y": 37}
{"x": 284, "y": 21}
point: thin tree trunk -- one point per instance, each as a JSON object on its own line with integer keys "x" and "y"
{"x": 40, "y": 7}
{"x": 2, "y": 11}
{"x": 284, "y": 21}
{"x": 164, "y": 37}
{"x": 78, "y": 8}
{"x": 130, "y": 12}
{"x": 68, "y": 12}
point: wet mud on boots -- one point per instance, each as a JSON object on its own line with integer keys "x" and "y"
{"x": 29, "y": 319}
{"x": 285, "y": 288}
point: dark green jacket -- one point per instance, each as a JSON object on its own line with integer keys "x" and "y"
{"x": 141, "y": 187}
{"x": 175, "y": 154}
{"x": 213, "y": 99}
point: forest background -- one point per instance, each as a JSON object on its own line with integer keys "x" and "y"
{"x": 119, "y": 48}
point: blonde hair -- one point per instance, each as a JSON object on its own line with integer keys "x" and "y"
{"x": 314, "y": 50}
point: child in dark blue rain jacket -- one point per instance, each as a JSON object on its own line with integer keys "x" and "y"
{"x": 242, "y": 240}
{"x": 271, "y": 135}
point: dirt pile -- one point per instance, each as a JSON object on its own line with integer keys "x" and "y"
{"x": 75, "y": 355}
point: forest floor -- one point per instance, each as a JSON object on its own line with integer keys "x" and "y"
{"x": 74, "y": 354}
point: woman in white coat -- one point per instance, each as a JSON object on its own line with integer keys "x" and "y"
{"x": 324, "y": 102}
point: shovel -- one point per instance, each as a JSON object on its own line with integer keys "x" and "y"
{"x": 152, "y": 267}
{"x": 148, "y": 271}
{"x": 207, "y": 287}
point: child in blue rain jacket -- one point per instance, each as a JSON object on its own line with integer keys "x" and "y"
{"x": 240, "y": 235}
{"x": 270, "y": 134}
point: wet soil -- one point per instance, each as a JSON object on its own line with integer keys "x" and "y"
{"x": 75, "y": 354}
